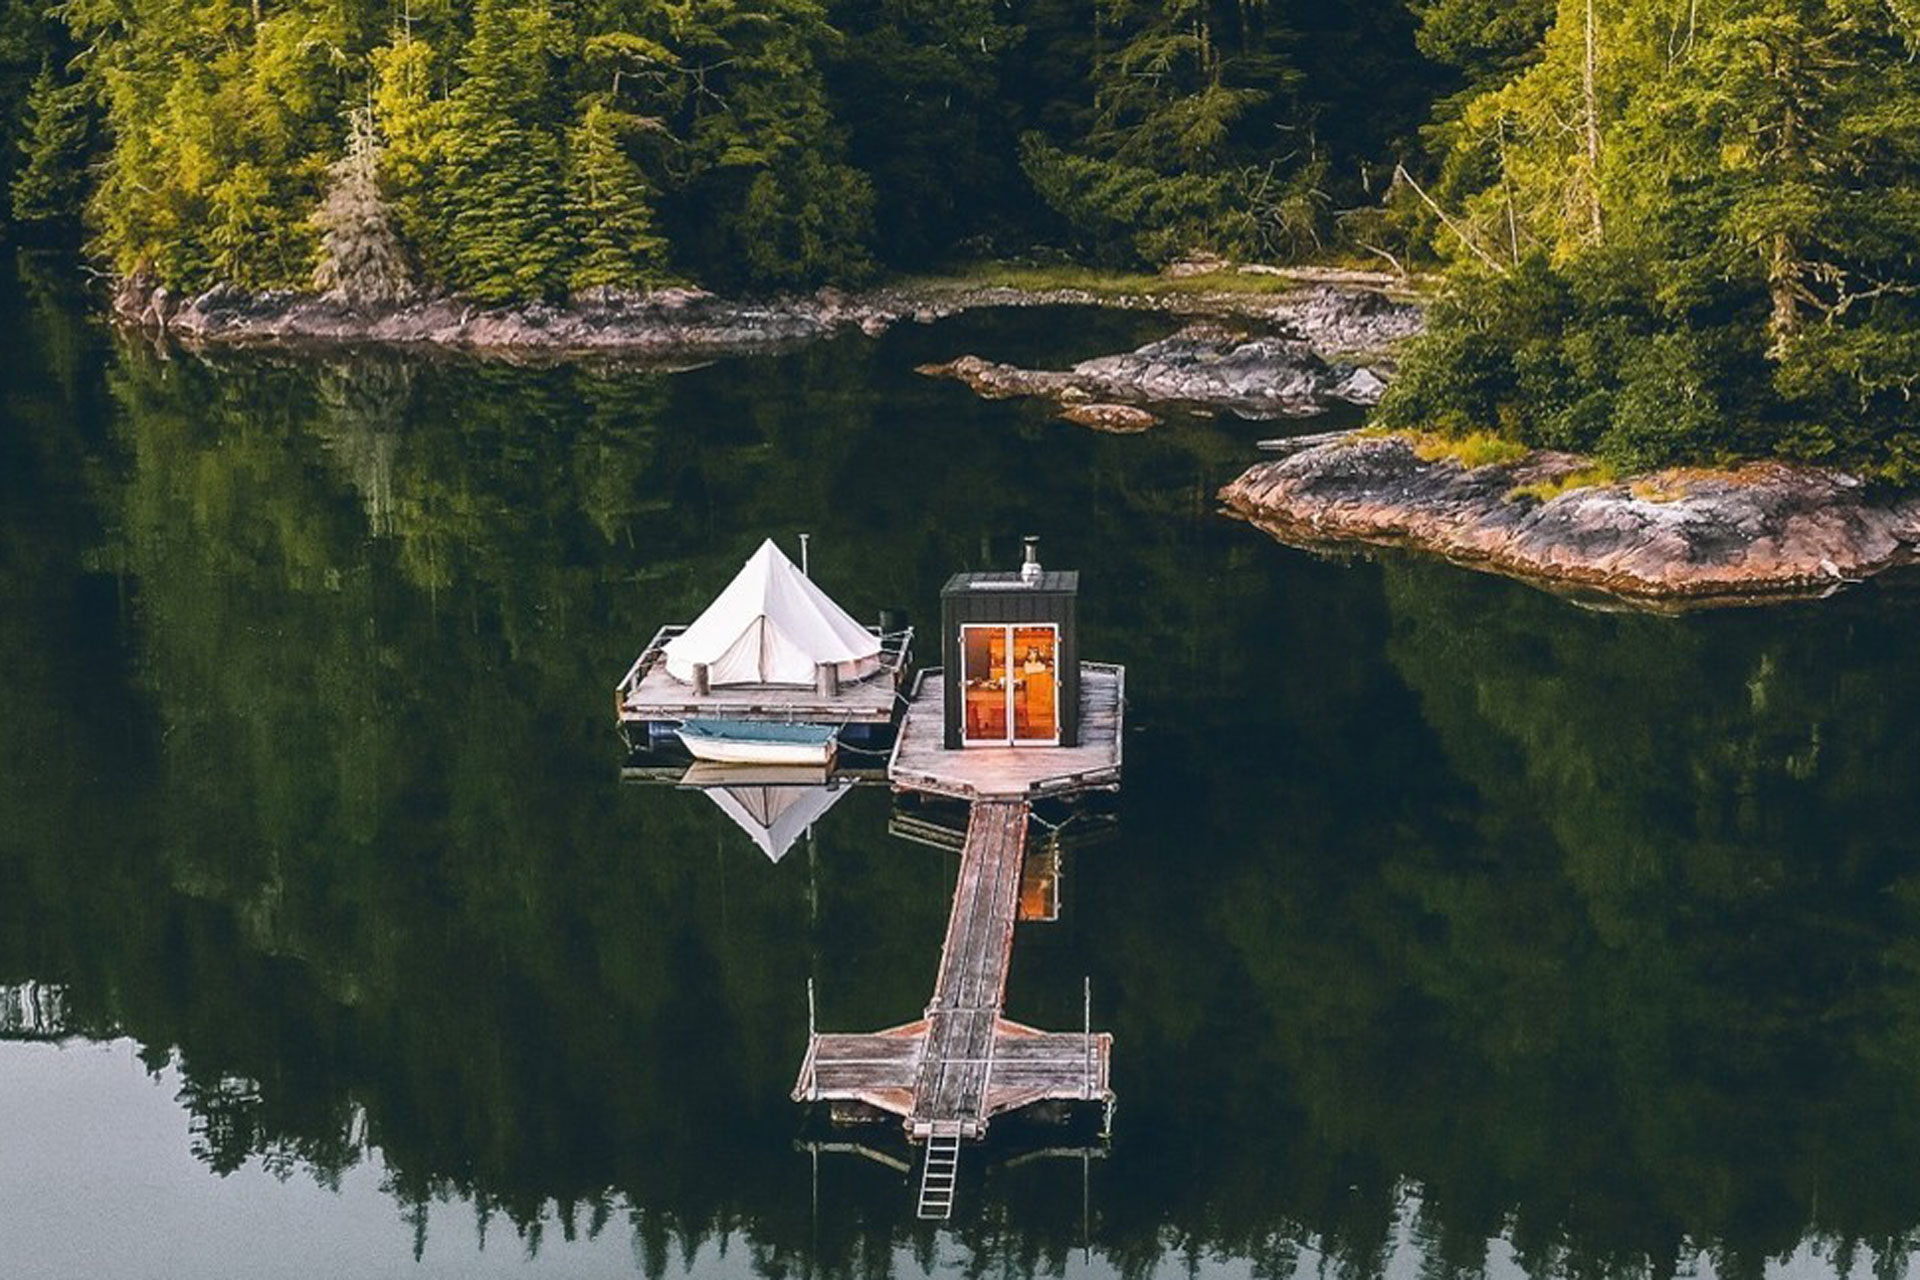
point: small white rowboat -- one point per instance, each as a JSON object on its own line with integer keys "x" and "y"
{"x": 745, "y": 742}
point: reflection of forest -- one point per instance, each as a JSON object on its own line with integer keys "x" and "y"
{"x": 1596, "y": 927}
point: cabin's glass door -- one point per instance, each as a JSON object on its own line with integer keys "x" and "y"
{"x": 984, "y": 683}
{"x": 1036, "y": 717}
{"x": 1009, "y": 683}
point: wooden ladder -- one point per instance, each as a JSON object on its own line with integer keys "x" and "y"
{"x": 939, "y": 1171}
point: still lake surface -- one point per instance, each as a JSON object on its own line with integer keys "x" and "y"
{"x": 1447, "y": 929}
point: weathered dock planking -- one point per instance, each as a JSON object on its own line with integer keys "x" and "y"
{"x": 921, "y": 762}
{"x": 647, "y": 694}
{"x": 963, "y": 1063}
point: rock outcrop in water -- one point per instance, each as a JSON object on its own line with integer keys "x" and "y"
{"x": 1206, "y": 363}
{"x": 1119, "y": 419}
{"x": 1691, "y": 537}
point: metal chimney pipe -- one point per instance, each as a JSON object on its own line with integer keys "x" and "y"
{"x": 803, "y": 555}
{"x": 1030, "y": 566}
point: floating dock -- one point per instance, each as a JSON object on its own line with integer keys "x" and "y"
{"x": 647, "y": 696}
{"x": 921, "y": 761}
{"x": 949, "y": 1073}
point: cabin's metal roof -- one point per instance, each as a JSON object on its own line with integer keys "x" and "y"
{"x": 1050, "y": 582}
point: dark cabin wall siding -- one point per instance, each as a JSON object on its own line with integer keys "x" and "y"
{"x": 1054, "y": 600}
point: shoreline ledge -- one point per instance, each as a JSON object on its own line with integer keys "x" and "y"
{"x": 692, "y": 322}
{"x": 1684, "y": 538}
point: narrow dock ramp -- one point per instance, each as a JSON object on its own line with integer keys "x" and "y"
{"x": 951, "y": 1087}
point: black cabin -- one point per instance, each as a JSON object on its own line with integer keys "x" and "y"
{"x": 1011, "y": 657}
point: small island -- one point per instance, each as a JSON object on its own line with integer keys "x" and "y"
{"x": 1679, "y": 537}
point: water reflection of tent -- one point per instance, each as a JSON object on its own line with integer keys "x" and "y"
{"x": 774, "y": 810}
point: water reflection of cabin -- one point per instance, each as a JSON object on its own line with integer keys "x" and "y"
{"x": 1012, "y": 659}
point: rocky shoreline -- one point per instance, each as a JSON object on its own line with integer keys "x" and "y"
{"x": 1676, "y": 539}
{"x": 679, "y": 322}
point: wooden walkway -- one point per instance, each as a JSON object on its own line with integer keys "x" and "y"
{"x": 972, "y": 986}
{"x": 963, "y": 1063}
{"x": 948, "y": 1074}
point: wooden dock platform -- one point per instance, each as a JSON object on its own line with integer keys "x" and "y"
{"x": 952, "y": 1071}
{"x": 921, "y": 762}
{"x": 648, "y": 695}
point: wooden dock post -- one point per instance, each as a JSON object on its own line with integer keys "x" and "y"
{"x": 1086, "y": 1023}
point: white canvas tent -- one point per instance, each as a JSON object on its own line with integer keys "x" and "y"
{"x": 775, "y": 817}
{"x": 772, "y": 626}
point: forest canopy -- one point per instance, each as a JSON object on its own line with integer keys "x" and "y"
{"x": 530, "y": 148}
{"x": 1670, "y": 230}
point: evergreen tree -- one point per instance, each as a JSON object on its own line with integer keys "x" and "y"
{"x": 1486, "y": 41}
{"x": 29, "y": 43}
{"x": 413, "y": 122}
{"x": 763, "y": 194}
{"x": 916, "y": 83}
{"x": 49, "y": 187}
{"x": 219, "y": 118}
{"x": 502, "y": 193}
{"x": 361, "y": 261}
{"x": 1198, "y": 141}
{"x": 608, "y": 204}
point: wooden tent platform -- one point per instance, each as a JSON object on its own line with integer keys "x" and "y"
{"x": 964, "y": 1063}
{"x": 921, "y": 762}
{"x": 649, "y": 695}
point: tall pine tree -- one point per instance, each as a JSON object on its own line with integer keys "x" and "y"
{"x": 609, "y": 205}
{"x": 503, "y": 193}
{"x": 49, "y": 186}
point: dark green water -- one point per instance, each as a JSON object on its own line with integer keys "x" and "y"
{"x": 1449, "y": 928}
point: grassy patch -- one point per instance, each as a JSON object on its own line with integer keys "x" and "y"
{"x": 1662, "y": 486}
{"x": 1475, "y": 449}
{"x": 1110, "y": 284}
{"x": 1591, "y": 477}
